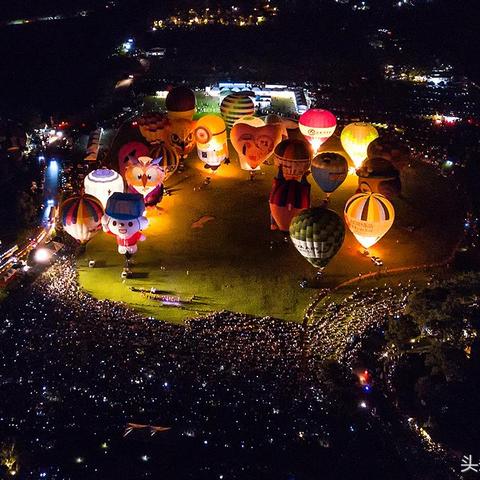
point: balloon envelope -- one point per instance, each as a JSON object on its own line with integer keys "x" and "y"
{"x": 235, "y": 106}
{"x": 102, "y": 183}
{"x": 168, "y": 159}
{"x": 329, "y": 171}
{"x": 378, "y": 175}
{"x": 211, "y": 137}
{"x": 317, "y": 126}
{"x": 369, "y": 216}
{"x": 318, "y": 234}
{"x": 355, "y": 139}
{"x": 287, "y": 199}
{"x": 390, "y": 148}
{"x": 130, "y": 152}
{"x": 180, "y": 103}
{"x": 254, "y": 144}
{"x": 294, "y": 156}
{"x": 81, "y": 216}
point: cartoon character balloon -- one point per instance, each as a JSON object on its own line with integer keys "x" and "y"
{"x": 355, "y": 138}
{"x": 181, "y": 135}
{"x": 287, "y": 199}
{"x": 146, "y": 176}
{"x": 329, "y": 171}
{"x": 130, "y": 152}
{"x": 390, "y": 148}
{"x": 294, "y": 156}
{"x": 254, "y": 144}
{"x": 369, "y": 216}
{"x": 235, "y": 106}
{"x": 180, "y": 103}
{"x": 101, "y": 183}
{"x": 124, "y": 218}
{"x": 81, "y": 217}
{"x": 317, "y": 126}
{"x": 378, "y": 175}
{"x": 318, "y": 234}
{"x": 211, "y": 136}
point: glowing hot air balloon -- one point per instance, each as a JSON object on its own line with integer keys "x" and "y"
{"x": 211, "y": 136}
{"x": 102, "y": 183}
{"x": 180, "y": 103}
{"x": 329, "y": 171}
{"x": 355, "y": 138}
{"x": 378, "y": 175}
{"x": 235, "y": 106}
{"x": 254, "y": 144}
{"x": 287, "y": 199}
{"x": 294, "y": 156}
{"x": 318, "y": 234}
{"x": 167, "y": 158}
{"x": 390, "y": 148}
{"x": 81, "y": 217}
{"x": 130, "y": 152}
{"x": 146, "y": 177}
{"x": 369, "y": 216}
{"x": 317, "y": 126}
{"x": 154, "y": 127}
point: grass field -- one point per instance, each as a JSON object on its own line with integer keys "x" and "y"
{"x": 231, "y": 263}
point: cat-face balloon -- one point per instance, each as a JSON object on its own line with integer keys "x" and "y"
{"x": 254, "y": 144}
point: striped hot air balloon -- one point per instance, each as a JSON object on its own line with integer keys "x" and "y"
{"x": 294, "y": 156}
{"x": 318, "y": 234}
{"x": 369, "y": 217}
{"x": 235, "y": 106}
{"x": 81, "y": 216}
{"x": 169, "y": 159}
{"x": 287, "y": 199}
{"x": 317, "y": 126}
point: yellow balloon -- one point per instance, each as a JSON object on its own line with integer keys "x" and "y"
{"x": 369, "y": 217}
{"x": 355, "y": 139}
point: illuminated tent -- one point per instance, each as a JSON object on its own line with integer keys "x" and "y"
{"x": 130, "y": 152}
{"x": 235, "y": 106}
{"x": 211, "y": 136}
{"x": 369, "y": 216}
{"x": 317, "y": 126}
{"x": 378, "y": 175}
{"x": 355, "y": 139}
{"x": 102, "y": 183}
{"x": 81, "y": 216}
{"x": 294, "y": 156}
{"x": 329, "y": 171}
{"x": 287, "y": 199}
{"x": 318, "y": 234}
{"x": 180, "y": 103}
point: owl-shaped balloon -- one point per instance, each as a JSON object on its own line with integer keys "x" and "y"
{"x": 146, "y": 177}
{"x": 181, "y": 135}
{"x": 254, "y": 144}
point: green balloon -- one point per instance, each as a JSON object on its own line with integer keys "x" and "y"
{"x": 318, "y": 234}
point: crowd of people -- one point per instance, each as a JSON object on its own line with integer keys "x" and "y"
{"x": 234, "y": 391}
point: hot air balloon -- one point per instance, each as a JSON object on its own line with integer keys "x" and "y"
{"x": 390, "y": 148}
{"x": 317, "y": 126}
{"x": 211, "y": 136}
{"x": 124, "y": 218}
{"x": 378, "y": 175}
{"x": 235, "y": 106}
{"x": 102, "y": 183}
{"x": 130, "y": 152}
{"x": 254, "y": 144}
{"x": 168, "y": 159}
{"x": 369, "y": 216}
{"x": 146, "y": 177}
{"x": 274, "y": 119}
{"x": 287, "y": 199}
{"x": 294, "y": 156}
{"x": 318, "y": 234}
{"x": 329, "y": 171}
{"x": 154, "y": 127}
{"x": 355, "y": 138}
{"x": 81, "y": 217}
{"x": 180, "y": 103}
{"x": 181, "y": 135}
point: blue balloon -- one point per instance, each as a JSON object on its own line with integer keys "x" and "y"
{"x": 329, "y": 170}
